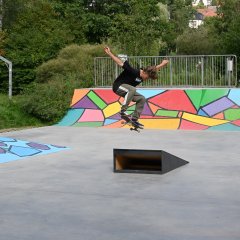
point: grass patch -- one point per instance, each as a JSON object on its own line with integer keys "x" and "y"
{"x": 13, "y": 117}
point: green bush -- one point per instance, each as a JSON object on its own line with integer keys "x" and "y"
{"x": 196, "y": 42}
{"x": 35, "y": 37}
{"x": 48, "y": 102}
{"x": 49, "y": 98}
{"x": 76, "y": 60}
{"x": 11, "y": 115}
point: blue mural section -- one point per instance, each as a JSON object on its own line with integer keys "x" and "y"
{"x": 12, "y": 149}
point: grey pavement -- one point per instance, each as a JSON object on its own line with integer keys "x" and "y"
{"x": 74, "y": 194}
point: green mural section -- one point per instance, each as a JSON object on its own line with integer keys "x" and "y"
{"x": 195, "y": 97}
{"x": 210, "y": 95}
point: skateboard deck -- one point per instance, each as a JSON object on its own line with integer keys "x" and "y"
{"x": 133, "y": 126}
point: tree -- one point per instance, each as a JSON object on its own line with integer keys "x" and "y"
{"x": 180, "y": 12}
{"x": 96, "y": 27}
{"x": 10, "y": 12}
{"x": 231, "y": 38}
{"x": 139, "y": 31}
{"x": 35, "y": 37}
{"x": 99, "y": 16}
{"x": 196, "y": 42}
{"x": 72, "y": 15}
{"x": 227, "y": 26}
{"x": 2, "y": 42}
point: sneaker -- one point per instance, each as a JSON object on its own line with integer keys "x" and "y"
{"x": 123, "y": 113}
{"x": 137, "y": 123}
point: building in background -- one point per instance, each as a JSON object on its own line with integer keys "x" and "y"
{"x": 204, "y": 2}
{"x": 201, "y": 14}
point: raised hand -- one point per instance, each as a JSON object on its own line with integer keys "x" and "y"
{"x": 107, "y": 50}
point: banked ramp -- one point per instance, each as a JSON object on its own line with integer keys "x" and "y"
{"x": 189, "y": 109}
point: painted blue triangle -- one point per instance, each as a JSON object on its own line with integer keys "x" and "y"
{"x": 202, "y": 113}
{"x": 147, "y": 93}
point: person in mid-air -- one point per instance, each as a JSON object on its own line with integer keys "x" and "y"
{"x": 125, "y": 84}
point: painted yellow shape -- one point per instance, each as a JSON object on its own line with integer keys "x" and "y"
{"x": 78, "y": 95}
{"x": 111, "y": 109}
{"x": 163, "y": 123}
{"x": 203, "y": 120}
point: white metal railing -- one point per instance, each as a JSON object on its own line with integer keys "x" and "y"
{"x": 9, "y": 65}
{"x": 182, "y": 71}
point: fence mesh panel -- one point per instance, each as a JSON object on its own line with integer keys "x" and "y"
{"x": 182, "y": 71}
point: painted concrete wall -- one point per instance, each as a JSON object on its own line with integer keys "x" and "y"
{"x": 191, "y": 109}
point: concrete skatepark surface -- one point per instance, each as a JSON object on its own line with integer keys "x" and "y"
{"x": 74, "y": 194}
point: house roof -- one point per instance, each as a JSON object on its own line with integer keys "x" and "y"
{"x": 207, "y": 12}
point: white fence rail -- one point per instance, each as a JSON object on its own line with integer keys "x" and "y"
{"x": 182, "y": 71}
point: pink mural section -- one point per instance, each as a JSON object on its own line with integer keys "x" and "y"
{"x": 187, "y": 109}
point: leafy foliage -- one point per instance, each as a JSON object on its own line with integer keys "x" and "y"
{"x": 180, "y": 12}
{"x": 196, "y": 42}
{"x": 37, "y": 29}
{"x": 139, "y": 31}
{"x": 48, "y": 41}
{"x": 11, "y": 115}
{"x": 28, "y": 45}
{"x": 48, "y": 98}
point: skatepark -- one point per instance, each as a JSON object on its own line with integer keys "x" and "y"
{"x": 119, "y": 120}
{"x": 64, "y": 187}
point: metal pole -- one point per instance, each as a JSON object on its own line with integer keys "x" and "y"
{"x": 170, "y": 69}
{"x": 95, "y": 74}
{"x": 236, "y": 80}
{"x": 10, "y": 81}
{"x": 9, "y": 65}
{"x": 202, "y": 71}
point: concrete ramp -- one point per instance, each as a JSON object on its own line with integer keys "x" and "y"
{"x": 190, "y": 109}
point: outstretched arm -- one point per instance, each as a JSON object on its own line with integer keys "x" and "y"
{"x": 117, "y": 60}
{"x": 162, "y": 64}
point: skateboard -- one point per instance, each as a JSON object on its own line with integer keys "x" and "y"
{"x": 133, "y": 126}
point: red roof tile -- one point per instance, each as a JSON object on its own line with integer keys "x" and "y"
{"x": 207, "y": 12}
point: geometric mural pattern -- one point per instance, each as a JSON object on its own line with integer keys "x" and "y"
{"x": 12, "y": 149}
{"x": 190, "y": 109}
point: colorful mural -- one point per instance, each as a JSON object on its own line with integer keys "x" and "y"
{"x": 191, "y": 109}
{"x": 12, "y": 149}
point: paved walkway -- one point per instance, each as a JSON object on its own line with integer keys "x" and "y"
{"x": 74, "y": 194}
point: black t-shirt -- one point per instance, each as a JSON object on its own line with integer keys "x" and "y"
{"x": 129, "y": 76}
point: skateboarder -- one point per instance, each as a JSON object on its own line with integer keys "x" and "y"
{"x": 125, "y": 84}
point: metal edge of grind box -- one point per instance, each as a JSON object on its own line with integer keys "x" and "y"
{"x": 145, "y": 161}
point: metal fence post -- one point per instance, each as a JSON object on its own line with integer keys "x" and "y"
{"x": 202, "y": 72}
{"x": 95, "y": 72}
{"x": 9, "y": 65}
{"x": 170, "y": 69}
{"x": 10, "y": 81}
{"x": 186, "y": 70}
